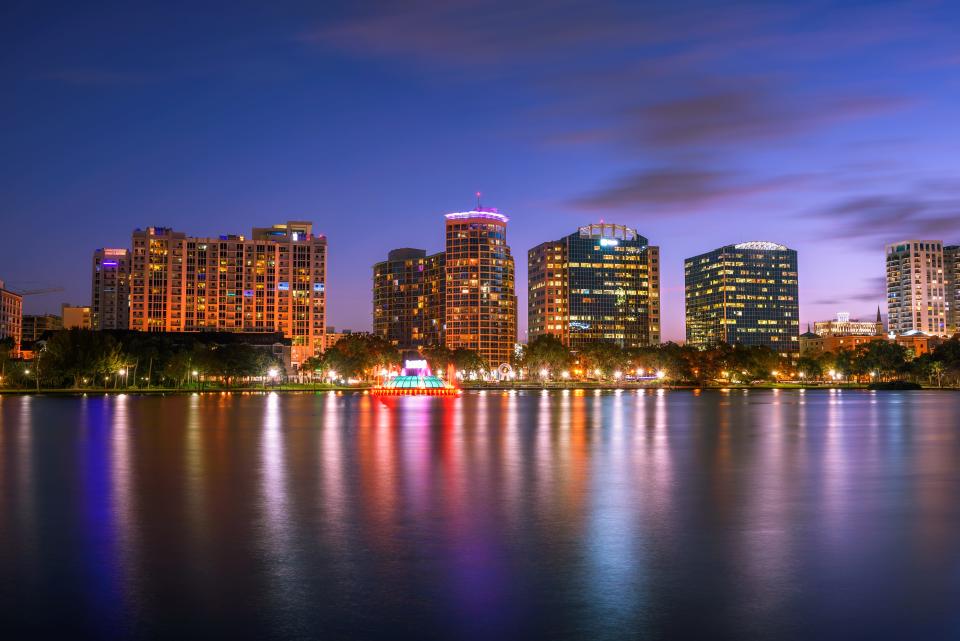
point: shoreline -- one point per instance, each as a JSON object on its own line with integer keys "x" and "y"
{"x": 493, "y": 387}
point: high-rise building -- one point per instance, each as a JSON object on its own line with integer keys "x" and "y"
{"x": 951, "y": 278}
{"x": 274, "y": 281}
{"x": 916, "y": 297}
{"x": 843, "y": 325}
{"x": 34, "y": 326}
{"x": 481, "y": 303}
{"x": 76, "y": 316}
{"x": 599, "y": 284}
{"x": 548, "y": 304}
{"x": 11, "y": 316}
{"x": 408, "y": 298}
{"x": 110, "y": 298}
{"x": 745, "y": 293}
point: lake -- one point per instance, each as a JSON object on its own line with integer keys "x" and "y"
{"x": 763, "y": 514}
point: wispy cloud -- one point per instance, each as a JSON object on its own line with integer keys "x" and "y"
{"x": 88, "y": 77}
{"x": 683, "y": 190}
{"x": 657, "y": 82}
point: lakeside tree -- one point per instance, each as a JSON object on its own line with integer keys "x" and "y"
{"x": 468, "y": 361}
{"x": 360, "y": 356}
{"x": 545, "y": 352}
{"x": 78, "y": 354}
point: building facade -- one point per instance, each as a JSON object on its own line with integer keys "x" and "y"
{"x": 745, "y": 293}
{"x": 273, "y": 282}
{"x": 34, "y": 326}
{"x": 110, "y": 298}
{"x": 548, "y": 305}
{"x": 951, "y": 281}
{"x": 599, "y": 284}
{"x": 11, "y": 316}
{"x": 480, "y": 299}
{"x": 843, "y": 325}
{"x": 916, "y": 291}
{"x": 76, "y": 316}
{"x": 409, "y": 298}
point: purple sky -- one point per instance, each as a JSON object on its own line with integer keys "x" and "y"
{"x": 830, "y": 127}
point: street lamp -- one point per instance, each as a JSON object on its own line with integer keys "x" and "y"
{"x": 661, "y": 374}
{"x": 544, "y": 373}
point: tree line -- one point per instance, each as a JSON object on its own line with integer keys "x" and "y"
{"x": 83, "y": 358}
{"x": 80, "y": 359}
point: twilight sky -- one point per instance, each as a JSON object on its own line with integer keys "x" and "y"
{"x": 833, "y": 128}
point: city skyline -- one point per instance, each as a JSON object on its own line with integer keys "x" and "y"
{"x": 829, "y": 131}
{"x": 521, "y": 289}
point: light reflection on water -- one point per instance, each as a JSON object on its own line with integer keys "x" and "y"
{"x": 655, "y": 514}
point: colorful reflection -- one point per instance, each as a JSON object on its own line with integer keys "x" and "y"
{"x": 489, "y": 515}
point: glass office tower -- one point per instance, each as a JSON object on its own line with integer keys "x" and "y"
{"x": 745, "y": 293}
{"x": 599, "y": 284}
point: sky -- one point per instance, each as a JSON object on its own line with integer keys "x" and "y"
{"x": 833, "y": 128}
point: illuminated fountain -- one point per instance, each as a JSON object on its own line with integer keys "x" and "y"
{"x": 415, "y": 379}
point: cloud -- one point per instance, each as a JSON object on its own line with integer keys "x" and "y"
{"x": 476, "y": 33}
{"x": 659, "y": 82}
{"x": 892, "y": 217}
{"x": 744, "y": 114}
{"x": 683, "y": 189}
{"x": 88, "y": 77}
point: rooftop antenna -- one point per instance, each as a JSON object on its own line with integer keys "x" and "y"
{"x": 478, "y": 201}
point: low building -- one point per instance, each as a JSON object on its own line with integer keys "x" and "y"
{"x": 843, "y": 325}
{"x": 11, "y": 316}
{"x": 36, "y": 325}
{"x": 813, "y": 344}
{"x": 333, "y": 336}
{"x": 919, "y": 343}
{"x": 76, "y": 316}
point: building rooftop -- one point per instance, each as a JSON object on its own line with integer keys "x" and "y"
{"x": 762, "y": 245}
{"x": 490, "y": 213}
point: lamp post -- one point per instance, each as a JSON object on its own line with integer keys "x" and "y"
{"x": 196, "y": 376}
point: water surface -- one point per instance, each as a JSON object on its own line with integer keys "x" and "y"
{"x": 629, "y": 515}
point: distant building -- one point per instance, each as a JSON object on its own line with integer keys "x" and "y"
{"x": 11, "y": 316}
{"x": 480, "y": 300}
{"x": 76, "y": 316}
{"x": 599, "y": 284}
{"x": 916, "y": 296}
{"x": 110, "y": 296}
{"x": 745, "y": 293}
{"x": 813, "y": 344}
{"x": 274, "y": 281}
{"x": 333, "y": 336}
{"x": 843, "y": 325}
{"x": 34, "y": 326}
{"x": 409, "y": 298}
{"x": 919, "y": 343}
{"x": 951, "y": 282}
